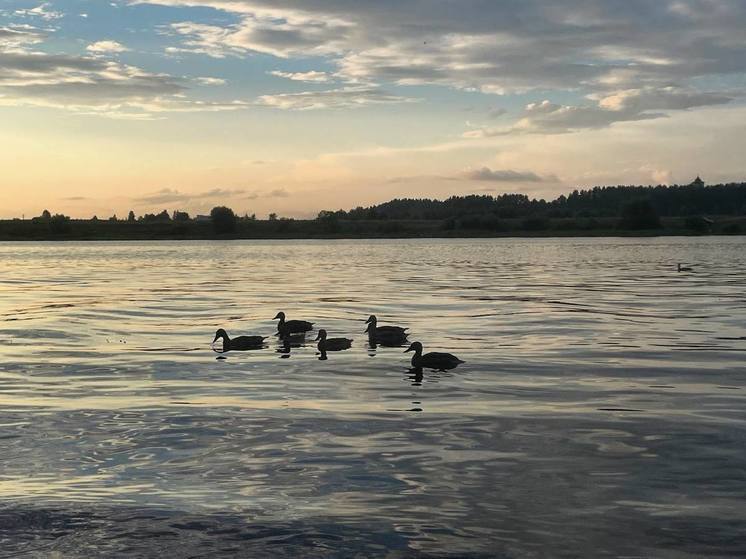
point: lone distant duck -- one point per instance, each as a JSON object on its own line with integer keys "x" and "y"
{"x": 286, "y": 327}
{"x": 240, "y": 343}
{"x": 685, "y": 268}
{"x": 433, "y": 360}
{"x": 332, "y": 344}
{"x": 385, "y": 335}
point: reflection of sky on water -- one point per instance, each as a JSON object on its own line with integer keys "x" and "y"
{"x": 600, "y": 408}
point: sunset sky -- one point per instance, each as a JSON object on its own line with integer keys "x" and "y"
{"x": 294, "y": 106}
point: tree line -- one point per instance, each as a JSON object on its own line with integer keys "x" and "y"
{"x": 688, "y": 209}
{"x": 600, "y": 201}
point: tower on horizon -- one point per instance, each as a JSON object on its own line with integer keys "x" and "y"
{"x": 698, "y": 182}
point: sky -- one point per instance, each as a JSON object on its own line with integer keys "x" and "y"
{"x": 294, "y": 106}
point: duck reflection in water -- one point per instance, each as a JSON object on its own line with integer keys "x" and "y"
{"x": 387, "y": 336}
{"x": 331, "y": 344}
{"x": 433, "y": 360}
{"x": 287, "y": 343}
{"x": 241, "y": 343}
{"x": 415, "y": 375}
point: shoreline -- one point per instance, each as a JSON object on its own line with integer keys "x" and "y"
{"x": 287, "y": 229}
{"x": 547, "y": 235}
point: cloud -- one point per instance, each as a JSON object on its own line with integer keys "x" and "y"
{"x": 628, "y": 105}
{"x": 345, "y": 97}
{"x": 493, "y": 47}
{"x": 210, "y": 81}
{"x": 41, "y": 11}
{"x": 90, "y": 84}
{"x": 497, "y": 112}
{"x": 15, "y": 38}
{"x": 170, "y": 195}
{"x": 276, "y": 193}
{"x": 505, "y": 175}
{"x": 106, "y": 47}
{"x": 312, "y": 76}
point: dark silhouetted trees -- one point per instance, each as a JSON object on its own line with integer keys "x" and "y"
{"x": 223, "y": 219}
{"x": 59, "y": 223}
{"x": 639, "y": 214}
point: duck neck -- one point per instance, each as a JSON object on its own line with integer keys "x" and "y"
{"x": 226, "y": 341}
{"x": 416, "y": 357}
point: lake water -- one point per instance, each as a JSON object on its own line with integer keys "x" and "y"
{"x": 601, "y": 410}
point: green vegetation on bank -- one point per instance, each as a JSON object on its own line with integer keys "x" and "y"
{"x": 692, "y": 209}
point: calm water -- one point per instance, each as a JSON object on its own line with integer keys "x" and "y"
{"x": 601, "y": 410}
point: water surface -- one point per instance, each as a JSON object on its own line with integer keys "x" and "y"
{"x": 601, "y": 410}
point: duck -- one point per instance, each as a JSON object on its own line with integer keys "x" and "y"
{"x": 433, "y": 360}
{"x": 684, "y": 268}
{"x": 384, "y": 335}
{"x": 240, "y": 343}
{"x": 331, "y": 344}
{"x": 286, "y": 327}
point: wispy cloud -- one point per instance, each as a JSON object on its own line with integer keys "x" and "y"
{"x": 504, "y": 175}
{"x": 311, "y": 77}
{"x": 172, "y": 195}
{"x": 346, "y": 97}
{"x": 100, "y": 47}
{"x": 623, "y": 106}
{"x": 42, "y": 11}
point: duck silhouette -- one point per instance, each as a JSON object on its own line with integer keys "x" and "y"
{"x": 331, "y": 344}
{"x": 384, "y": 335}
{"x": 684, "y": 268}
{"x": 241, "y": 343}
{"x": 432, "y": 360}
{"x": 287, "y": 327}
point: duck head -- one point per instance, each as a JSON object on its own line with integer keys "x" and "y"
{"x": 280, "y": 315}
{"x": 322, "y": 335}
{"x": 416, "y": 347}
{"x": 371, "y": 322}
{"x": 221, "y": 334}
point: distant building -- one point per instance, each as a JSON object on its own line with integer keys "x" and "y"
{"x": 698, "y": 182}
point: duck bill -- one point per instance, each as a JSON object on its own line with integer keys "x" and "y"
{"x": 318, "y": 337}
{"x": 215, "y": 340}
{"x": 408, "y": 349}
{"x": 367, "y": 329}
{"x": 277, "y": 316}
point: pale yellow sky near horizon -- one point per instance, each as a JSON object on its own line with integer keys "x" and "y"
{"x": 86, "y": 175}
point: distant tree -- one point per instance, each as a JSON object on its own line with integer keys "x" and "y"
{"x": 329, "y": 221}
{"x": 59, "y": 223}
{"x": 131, "y": 217}
{"x": 163, "y": 216}
{"x": 45, "y": 215}
{"x": 180, "y": 216}
{"x": 94, "y": 218}
{"x": 273, "y": 217}
{"x": 639, "y": 214}
{"x": 223, "y": 219}
{"x": 113, "y": 218}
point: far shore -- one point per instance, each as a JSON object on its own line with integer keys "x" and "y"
{"x": 105, "y": 230}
